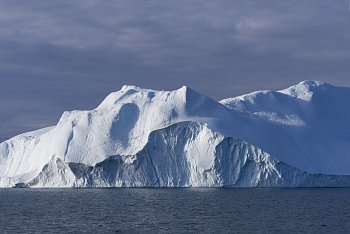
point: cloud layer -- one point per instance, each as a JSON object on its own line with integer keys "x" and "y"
{"x": 62, "y": 55}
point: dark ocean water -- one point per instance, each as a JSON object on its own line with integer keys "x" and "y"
{"x": 175, "y": 210}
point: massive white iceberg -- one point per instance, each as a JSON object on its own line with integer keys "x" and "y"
{"x": 141, "y": 137}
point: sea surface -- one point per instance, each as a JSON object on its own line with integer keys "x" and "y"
{"x": 134, "y": 210}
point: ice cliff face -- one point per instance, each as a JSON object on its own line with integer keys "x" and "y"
{"x": 142, "y": 137}
{"x": 186, "y": 154}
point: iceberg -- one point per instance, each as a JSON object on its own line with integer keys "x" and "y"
{"x": 297, "y": 137}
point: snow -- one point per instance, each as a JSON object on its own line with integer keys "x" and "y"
{"x": 56, "y": 173}
{"x": 305, "y": 126}
{"x": 305, "y": 90}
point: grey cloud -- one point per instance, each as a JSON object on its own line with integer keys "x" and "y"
{"x": 63, "y": 55}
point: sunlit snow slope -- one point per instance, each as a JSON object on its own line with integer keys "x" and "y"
{"x": 304, "y": 126}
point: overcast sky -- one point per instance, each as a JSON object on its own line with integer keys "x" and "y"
{"x": 65, "y": 55}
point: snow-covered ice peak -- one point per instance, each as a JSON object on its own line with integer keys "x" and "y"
{"x": 126, "y": 92}
{"x": 183, "y": 101}
{"x": 312, "y": 83}
{"x": 128, "y": 87}
{"x": 306, "y": 89}
{"x": 298, "y": 94}
{"x": 131, "y": 93}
